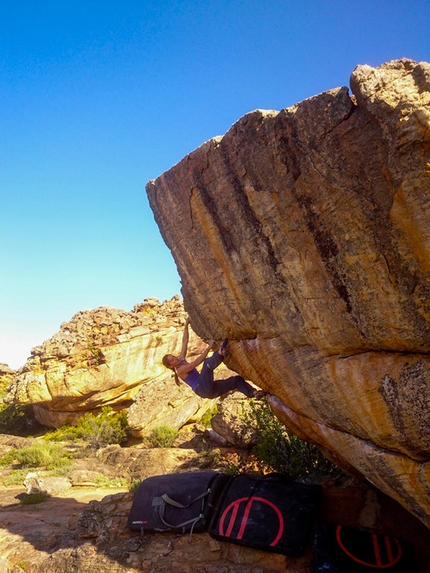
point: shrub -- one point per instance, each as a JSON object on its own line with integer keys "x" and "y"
{"x": 39, "y": 454}
{"x": 16, "y": 477}
{"x": 98, "y": 431}
{"x": 162, "y": 437}
{"x": 7, "y": 459}
{"x": 105, "y": 481}
{"x": 63, "y": 434}
{"x": 17, "y": 420}
{"x": 280, "y": 450}
{"x": 104, "y": 429}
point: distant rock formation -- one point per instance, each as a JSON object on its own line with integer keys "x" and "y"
{"x": 304, "y": 235}
{"x": 6, "y": 377}
{"x": 109, "y": 357}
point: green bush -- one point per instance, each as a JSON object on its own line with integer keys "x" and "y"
{"x": 280, "y": 450}
{"x": 17, "y": 420}
{"x": 63, "y": 434}
{"x": 98, "y": 431}
{"x": 162, "y": 437}
{"x": 104, "y": 429}
{"x": 105, "y": 481}
{"x": 16, "y": 477}
{"x": 38, "y": 455}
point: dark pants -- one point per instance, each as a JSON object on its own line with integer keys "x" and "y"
{"x": 207, "y": 387}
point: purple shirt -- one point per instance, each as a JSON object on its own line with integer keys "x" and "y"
{"x": 192, "y": 379}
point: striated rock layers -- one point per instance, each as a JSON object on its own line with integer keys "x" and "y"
{"x": 109, "y": 357}
{"x": 304, "y": 235}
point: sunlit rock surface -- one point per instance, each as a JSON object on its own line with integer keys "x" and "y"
{"x": 6, "y": 376}
{"x": 109, "y": 357}
{"x": 304, "y": 236}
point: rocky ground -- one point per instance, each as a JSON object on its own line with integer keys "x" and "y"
{"x": 82, "y": 528}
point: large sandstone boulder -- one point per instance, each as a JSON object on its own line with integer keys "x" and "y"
{"x": 109, "y": 357}
{"x": 304, "y": 235}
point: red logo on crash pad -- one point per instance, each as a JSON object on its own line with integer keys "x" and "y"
{"x": 245, "y": 504}
{"x": 386, "y": 550}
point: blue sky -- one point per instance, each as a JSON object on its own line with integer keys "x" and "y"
{"x": 96, "y": 98}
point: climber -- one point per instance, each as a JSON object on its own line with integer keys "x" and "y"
{"x": 203, "y": 383}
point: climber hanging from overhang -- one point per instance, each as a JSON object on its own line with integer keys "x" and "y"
{"x": 203, "y": 383}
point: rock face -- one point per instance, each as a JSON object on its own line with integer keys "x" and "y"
{"x": 230, "y": 422}
{"x": 313, "y": 224}
{"x": 6, "y": 377}
{"x": 108, "y": 357}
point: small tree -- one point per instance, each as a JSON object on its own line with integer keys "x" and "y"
{"x": 280, "y": 450}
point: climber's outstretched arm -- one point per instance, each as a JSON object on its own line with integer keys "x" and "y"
{"x": 185, "y": 339}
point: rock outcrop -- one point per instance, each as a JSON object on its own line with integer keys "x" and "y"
{"x": 109, "y": 357}
{"x": 231, "y": 422}
{"x": 6, "y": 377}
{"x": 304, "y": 235}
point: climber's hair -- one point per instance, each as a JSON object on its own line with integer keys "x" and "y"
{"x": 165, "y": 361}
